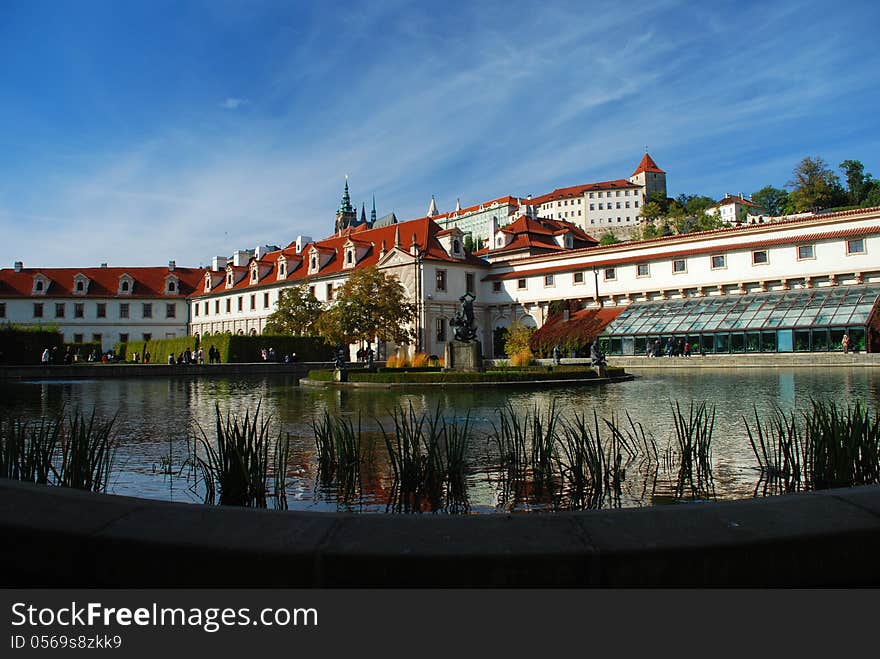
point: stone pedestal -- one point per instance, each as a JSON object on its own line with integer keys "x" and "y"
{"x": 461, "y": 356}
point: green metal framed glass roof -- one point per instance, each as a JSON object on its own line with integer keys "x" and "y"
{"x": 802, "y": 308}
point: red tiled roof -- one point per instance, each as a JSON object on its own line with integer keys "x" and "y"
{"x": 424, "y": 229}
{"x": 103, "y": 282}
{"x": 731, "y": 199}
{"x": 647, "y": 164}
{"x": 508, "y": 200}
{"x": 709, "y": 249}
{"x": 579, "y": 190}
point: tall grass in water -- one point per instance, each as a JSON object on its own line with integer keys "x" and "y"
{"x": 428, "y": 461}
{"x": 338, "y": 446}
{"x": 825, "y": 447}
{"x": 778, "y": 450}
{"x": 693, "y": 434}
{"x": 237, "y": 464}
{"x": 27, "y": 450}
{"x": 77, "y": 452}
{"x": 842, "y": 446}
{"x": 527, "y": 454}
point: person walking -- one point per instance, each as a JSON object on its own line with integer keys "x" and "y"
{"x": 845, "y": 343}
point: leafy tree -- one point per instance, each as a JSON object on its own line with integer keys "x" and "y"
{"x": 608, "y": 238}
{"x": 649, "y": 230}
{"x": 651, "y": 211}
{"x": 858, "y": 184}
{"x": 815, "y": 186}
{"x": 771, "y": 199}
{"x": 518, "y": 339}
{"x": 872, "y": 196}
{"x": 369, "y": 306}
{"x": 660, "y": 199}
{"x": 297, "y": 313}
{"x": 472, "y": 244}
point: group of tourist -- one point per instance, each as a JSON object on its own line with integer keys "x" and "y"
{"x": 680, "y": 348}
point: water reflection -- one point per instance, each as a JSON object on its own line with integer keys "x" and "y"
{"x": 156, "y": 419}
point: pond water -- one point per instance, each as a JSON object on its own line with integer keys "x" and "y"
{"x": 156, "y": 419}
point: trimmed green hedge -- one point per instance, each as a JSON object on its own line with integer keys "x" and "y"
{"x": 25, "y": 345}
{"x": 234, "y": 348}
{"x": 159, "y": 349}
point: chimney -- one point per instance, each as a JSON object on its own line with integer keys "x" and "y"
{"x": 171, "y": 266}
{"x": 218, "y": 263}
{"x": 302, "y": 241}
{"x": 240, "y": 257}
{"x": 18, "y": 266}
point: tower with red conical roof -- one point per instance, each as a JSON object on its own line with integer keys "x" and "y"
{"x": 650, "y": 177}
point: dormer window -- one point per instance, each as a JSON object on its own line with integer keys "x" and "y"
{"x": 282, "y": 268}
{"x": 229, "y": 279}
{"x": 80, "y": 286}
{"x": 172, "y": 287}
{"x": 313, "y": 263}
{"x": 41, "y": 285}
{"x": 126, "y": 284}
{"x": 349, "y": 257}
{"x": 253, "y": 275}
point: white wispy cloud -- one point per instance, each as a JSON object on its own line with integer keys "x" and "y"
{"x": 233, "y": 103}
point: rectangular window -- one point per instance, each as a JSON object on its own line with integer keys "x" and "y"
{"x": 2, "y": 310}
{"x": 548, "y": 280}
{"x": 719, "y": 261}
{"x": 147, "y": 336}
{"x": 96, "y": 338}
{"x": 643, "y": 270}
{"x": 610, "y": 274}
{"x": 678, "y": 266}
{"x": 240, "y": 303}
{"x": 440, "y": 283}
{"x": 228, "y": 305}
{"x": 760, "y": 257}
{"x": 636, "y": 204}
{"x": 265, "y": 300}
{"x": 217, "y": 306}
{"x": 102, "y": 310}
{"x": 123, "y": 310}
{"x": 601, "y": 206}
{"x": 312, "y": 291}
{"x": 59, "y": 309}
{"x": 77, "y": 338}
{"x": 329, "y": 290}
{"x": 441, "y": 330}
{"x": 170, "y": 310}
{"x": 196, "y": 309}
{"x": 618, "y": 204}
{"x": 496, "y": 286}
{"x": 856, "y": 246}
{"x": 148, "y": 310}
{"x": 123, "y": 338}
{"x": 806, "y": 252}
{"x": 520, "y": 284}
{"x": 253, "y": 302}
{"x": 592, "y": 207}
{"x": 579, "y": 278}
{"x": 206, "y": 309}
{"x": 469, "y": 282}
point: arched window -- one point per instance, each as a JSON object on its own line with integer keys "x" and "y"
{"x": 349, "y": 256}
{"x": 456, "y": 246}
{"x": 314, "y": 265}
{"x": 171, "y": 287}
{"x": 79, "y": 286}
{"x": 124, "y": 287}
{"x": 39, "y": 285}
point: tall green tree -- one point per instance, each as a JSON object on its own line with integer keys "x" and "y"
{"x": 773, "y": 200}
{"x": 297, "y": 313}
{"x": 815, "y": 186}
{"x": 651, "y": 211}
{"x": 872, "y": 196}
{"x": 369, "y": 306}
{"x": 858, "y": 184}
{"x": 608, "y": 238}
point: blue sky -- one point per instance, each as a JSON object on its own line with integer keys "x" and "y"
{"x": 139, "y": 132}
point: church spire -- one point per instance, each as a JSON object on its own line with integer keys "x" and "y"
{"x": 432, "y": 209}
{"x": 373, "y": 212}
{"x": 363, "y": 214}
{"x": 458, "y": 205}
{"x": 345, "y": 204}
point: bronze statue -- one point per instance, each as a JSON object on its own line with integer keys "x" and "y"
{"x": 463, "y": 321}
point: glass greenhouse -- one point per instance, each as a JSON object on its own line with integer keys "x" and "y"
{"x": 801, "y": 320}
